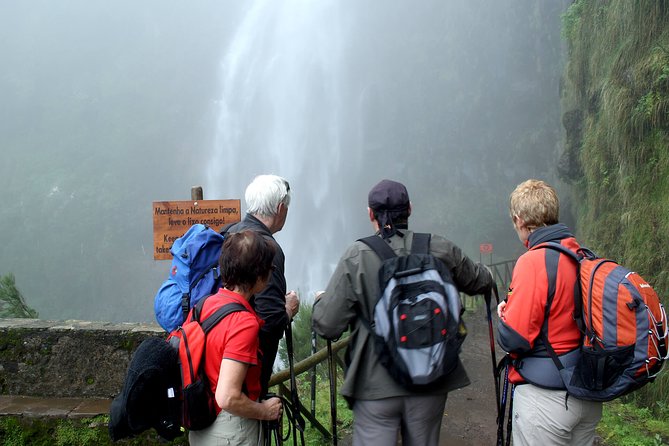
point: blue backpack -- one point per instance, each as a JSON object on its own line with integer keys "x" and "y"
{"x": 194, "y": 274}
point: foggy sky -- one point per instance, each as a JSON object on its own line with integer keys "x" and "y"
{"x": 109, "y": 107}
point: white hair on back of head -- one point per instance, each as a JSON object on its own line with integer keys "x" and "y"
{"x": 265, "y": 193}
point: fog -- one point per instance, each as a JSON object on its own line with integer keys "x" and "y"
{"x": 107, "y": 107}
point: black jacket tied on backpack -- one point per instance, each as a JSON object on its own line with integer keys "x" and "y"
{"x": 152, "y": 372}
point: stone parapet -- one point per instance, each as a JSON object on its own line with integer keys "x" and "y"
{"x": 62, "y": 359}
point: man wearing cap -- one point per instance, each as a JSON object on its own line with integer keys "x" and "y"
{"x": 382, "y": 408}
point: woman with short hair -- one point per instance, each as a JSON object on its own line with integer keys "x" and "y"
{"x": 232, "y": 361}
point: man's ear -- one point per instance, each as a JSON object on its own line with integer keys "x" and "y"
{"x": 280, "y": 207}
{"x": 371, "y": 214}
{"x": 410, "y": 207}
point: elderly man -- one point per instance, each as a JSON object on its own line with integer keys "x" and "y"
{"x": 267, "y": 199}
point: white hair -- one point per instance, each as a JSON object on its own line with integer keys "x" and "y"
{"x": 265, "y": 193}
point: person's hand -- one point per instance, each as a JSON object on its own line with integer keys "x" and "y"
{"x": 292, "y": 304}
{"x": 500, "y": 309}
{"x": 272, "y": 408}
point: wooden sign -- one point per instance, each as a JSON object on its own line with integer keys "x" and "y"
{"x": 171, "y": 219}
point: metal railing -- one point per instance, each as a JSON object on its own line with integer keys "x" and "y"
{"x": 502, "y": 272}
{"x": 279, "y": 379}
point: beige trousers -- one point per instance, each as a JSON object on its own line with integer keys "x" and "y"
{"x": 548, "y": 418}
{"x": 227, "y": 430}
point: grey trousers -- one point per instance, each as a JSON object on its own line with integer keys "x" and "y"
{"x": 547, "y": 418}
{"x": 416, "y": 418}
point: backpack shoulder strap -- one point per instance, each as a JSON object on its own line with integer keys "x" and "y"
{"x": 582, "y": 253}
{"x": 219, "y": 314}
{"x": 551, "y": 269}
{"x": 420, "y": 243}
{"x": 196, "y": 311}
{"x": 562, "y": 249}
{"x": 379, "y": 246}
{"x": 385, "y": 252}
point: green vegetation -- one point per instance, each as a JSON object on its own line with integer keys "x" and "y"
{"x": 312, "y": 436}
{"x": 624, "y": 424}
{"x": 302, "y": 346}
{"x": 21, "y": 431}
{"x": 301, "y": 337}
{"x": 616, "y": 102}
{"x": 616, "y": 116}
{"x": 12, "y": 303}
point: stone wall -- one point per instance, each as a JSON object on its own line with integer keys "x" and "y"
{"x": 67, "y": 358}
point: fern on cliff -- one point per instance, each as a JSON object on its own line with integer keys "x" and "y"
{"x": 12, "y": 303}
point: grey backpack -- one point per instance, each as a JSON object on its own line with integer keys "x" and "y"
{"x": 416, "y": 322}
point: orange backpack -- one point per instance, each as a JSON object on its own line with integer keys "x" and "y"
{"x": 624, "y": 328}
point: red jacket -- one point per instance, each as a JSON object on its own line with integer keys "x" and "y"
{"x": 521, "y": 323}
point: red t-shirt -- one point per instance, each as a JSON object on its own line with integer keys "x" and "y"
{"x": 236, "y": 338}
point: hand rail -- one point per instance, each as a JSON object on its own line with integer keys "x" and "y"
{"x": 307, "y": 363}
{"x": 502, "y": 272}
{"x": 279, "y": 378}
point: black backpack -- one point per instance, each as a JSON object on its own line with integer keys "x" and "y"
{"x": 416, "y": 321}
{"x": 165, "y": 386}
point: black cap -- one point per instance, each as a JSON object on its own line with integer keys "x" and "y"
{"x": 389, "y": 199}
{"x": 388, "y": 195}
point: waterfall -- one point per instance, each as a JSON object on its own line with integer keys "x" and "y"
{"x": 282, "y": 111}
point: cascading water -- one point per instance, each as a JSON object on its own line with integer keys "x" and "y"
{"x": 282, "y": 110}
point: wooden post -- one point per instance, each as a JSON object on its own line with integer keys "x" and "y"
{"x": 196, "y": 193}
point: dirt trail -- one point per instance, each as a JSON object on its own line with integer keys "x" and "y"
{"x": 469, "y": 418}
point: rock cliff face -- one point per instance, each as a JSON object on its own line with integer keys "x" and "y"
{"x": 616, "y": 115}
{"x": 615, "y": 103}
{"x": 67, "y": 358}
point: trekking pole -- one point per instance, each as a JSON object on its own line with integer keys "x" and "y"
{"x": 502, "y": 403}
{"x": 332, "y": 374}
{"x": 313, "y": 375}
{"x": 509, "y": 423}
{"x": 271, "y": 429}
{"x": 298, "y": 424}
{"x": 488, "y": 299}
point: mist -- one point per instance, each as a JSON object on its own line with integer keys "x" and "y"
{"x": 109, "y": 107}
